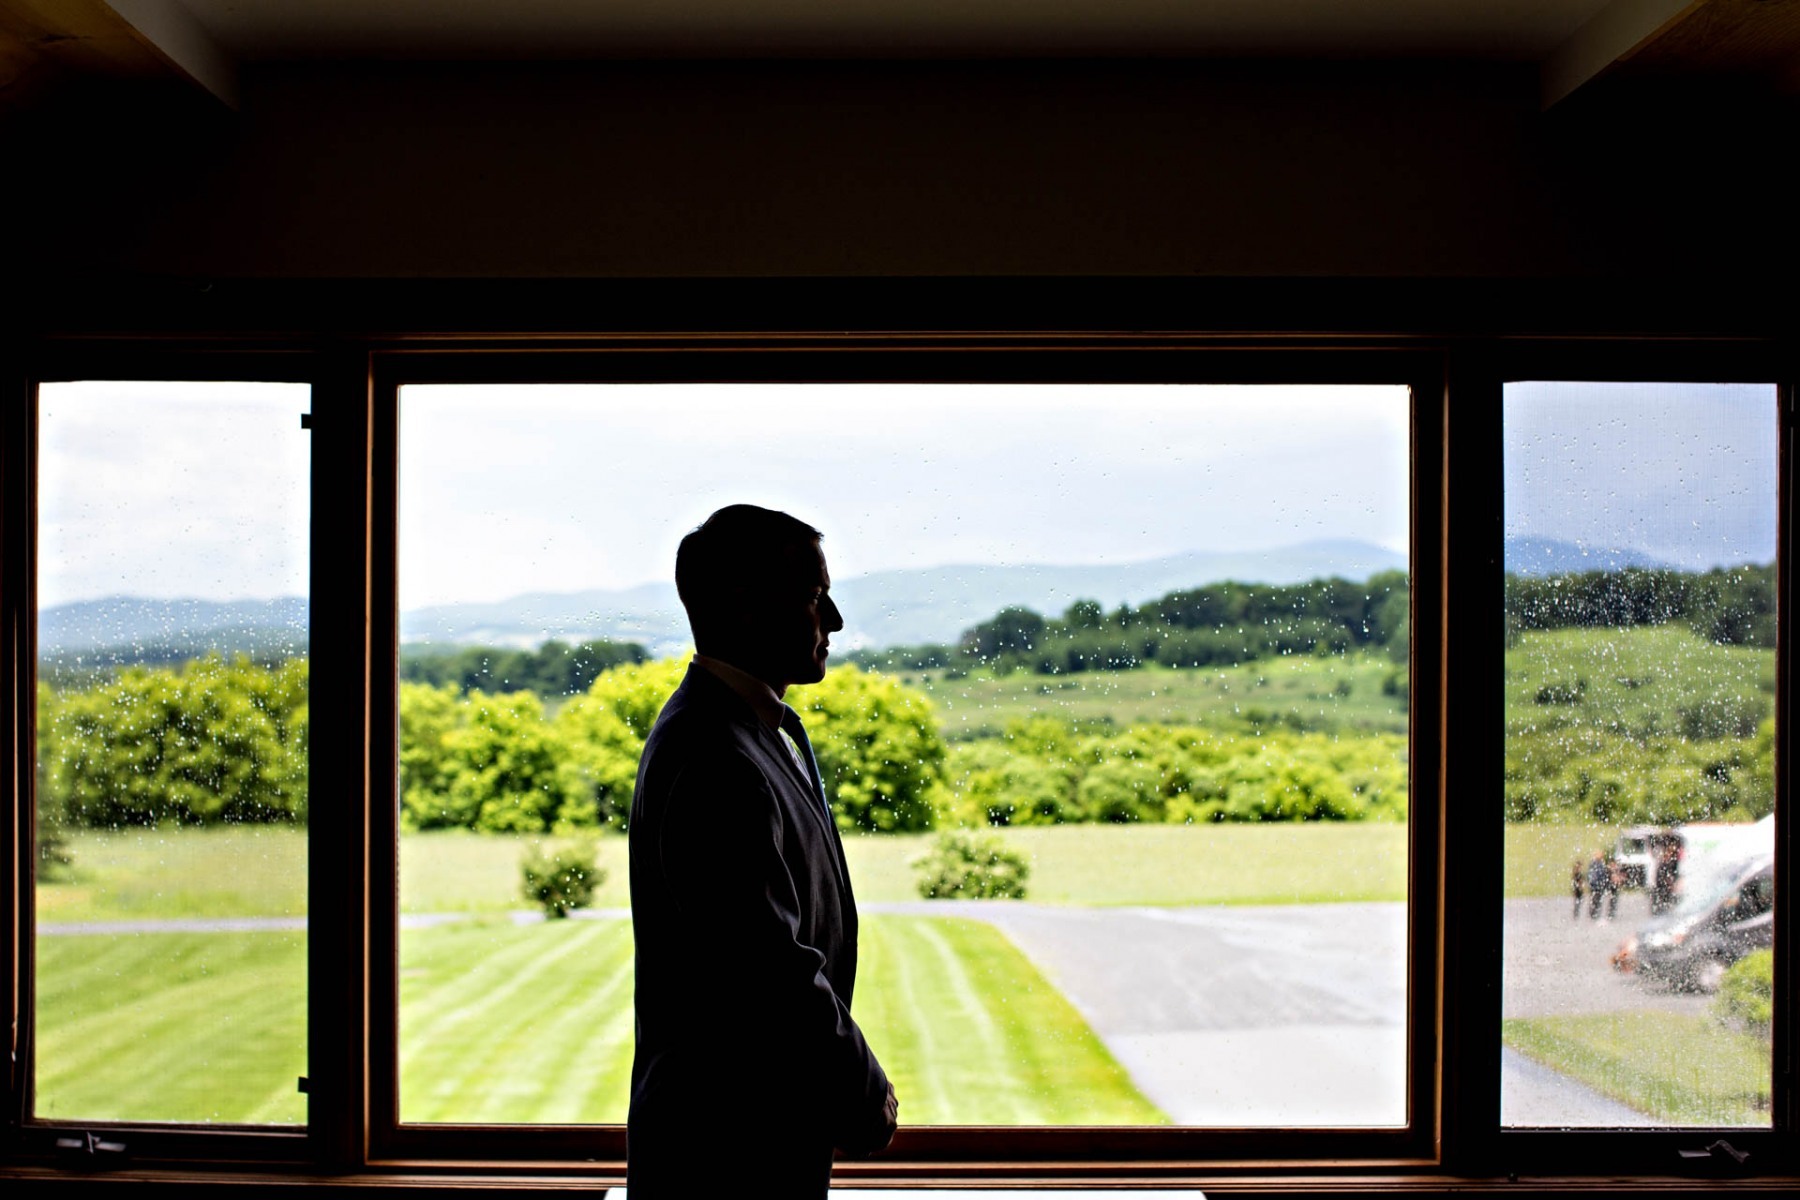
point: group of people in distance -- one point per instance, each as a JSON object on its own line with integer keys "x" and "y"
{"x": 1603, "y": 878}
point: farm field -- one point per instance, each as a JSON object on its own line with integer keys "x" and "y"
{"x": 1639, "y": 681}
{"x": 506, "y": 1023}
{"x": 1339, "y": 693}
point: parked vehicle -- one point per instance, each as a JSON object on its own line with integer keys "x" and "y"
{"x": 1640, "y": 850}
{"x": 1723, "y": 914}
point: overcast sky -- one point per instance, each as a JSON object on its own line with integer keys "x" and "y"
{"x": 199, "y": 489}
{"x": 1683, "y": 472}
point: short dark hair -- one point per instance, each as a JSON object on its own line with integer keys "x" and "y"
{"x": 736, "y": 545}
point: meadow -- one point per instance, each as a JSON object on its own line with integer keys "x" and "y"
{"x": 1338, "y": 693}
{"x": 970, "y": 1028}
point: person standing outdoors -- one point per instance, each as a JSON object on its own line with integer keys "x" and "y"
{"x": 749, "y": 1070}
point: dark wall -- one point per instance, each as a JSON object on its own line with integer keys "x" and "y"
{"x": 1241, "y": 171}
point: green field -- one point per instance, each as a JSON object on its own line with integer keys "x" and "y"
{"x": 1637, "y": 681}
{"x": 1334, "y": 694}
{"x": 1684, "y": 1070}
{"x": 506, "y": 1023}
{"x": 239, "y": 872}
{"x": 144, "y": 874}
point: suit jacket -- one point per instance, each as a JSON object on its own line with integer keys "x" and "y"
{"x": 748, "y": 1066}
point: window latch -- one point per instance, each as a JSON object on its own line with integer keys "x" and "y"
{"x": 306, "y": 420}
{"x": 1719, "y": 1151}
{"x": 89, "y": 1145}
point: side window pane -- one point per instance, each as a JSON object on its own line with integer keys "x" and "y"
{"x": 1639, "y": 779}
{"x": 1114, "y": 735}
{"x": 170, "y": 968}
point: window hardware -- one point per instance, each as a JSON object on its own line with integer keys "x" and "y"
{"x": 90, "y": 1145}
{"x": 306, "y": 420}
{"x": 1719, "y": 1150}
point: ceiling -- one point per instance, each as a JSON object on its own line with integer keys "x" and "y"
{"x": 1572, "y": 42}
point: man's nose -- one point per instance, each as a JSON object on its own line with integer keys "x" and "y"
{"x": 834, "y": 620}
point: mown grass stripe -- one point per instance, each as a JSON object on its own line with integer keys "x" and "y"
{"x": 516, "y": 1064}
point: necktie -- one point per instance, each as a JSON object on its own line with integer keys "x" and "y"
{"x": 795, "y": 734}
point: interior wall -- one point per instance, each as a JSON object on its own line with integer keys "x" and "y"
{"x": 951, "y": 169}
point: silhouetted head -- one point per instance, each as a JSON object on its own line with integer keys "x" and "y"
{"x": 758, "y": 595}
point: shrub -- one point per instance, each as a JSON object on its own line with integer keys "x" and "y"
{"x": 881, "y": 756}
{"x": 561, "y": 880}
{"x": 1747, "y": 993}
{"x": 1561, "y": 692}
{"x": 56, "y": 858}
{"x": 971, "y": 866}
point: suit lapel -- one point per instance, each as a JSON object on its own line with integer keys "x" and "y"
{"x": 714, "y": 690}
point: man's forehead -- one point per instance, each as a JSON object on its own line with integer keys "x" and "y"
{"x": 805, "y": 560}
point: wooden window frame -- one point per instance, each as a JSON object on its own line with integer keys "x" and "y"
{"x": 1454, "y": 1138}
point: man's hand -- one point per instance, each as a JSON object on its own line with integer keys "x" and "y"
{"x": 890, "y": 1116}
{"x": 880, "y": 1132}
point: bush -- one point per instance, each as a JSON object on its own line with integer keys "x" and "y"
{"x": 56, "y": 858}
{"x": 561, "y": 880}
{"x": 208, "y": 742}
{"x": 880, "y": 753}
{"x": 1561, "y": 692}
{"x": 1747, "y": 993}
{"x": 971, "y": 866}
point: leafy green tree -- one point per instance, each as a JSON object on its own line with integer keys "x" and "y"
{"x": 504, "y": 768}
{"x": 428, "y": 715}
{"x": 210, "y": 741}
{"x": 602, "y": 732}
{"x": 880, "y": 754}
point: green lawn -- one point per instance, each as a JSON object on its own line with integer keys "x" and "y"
{"x": 261, "y": 872}
{"x": 971, "y": 1033}
{"x": 1685, "y": 1070}
{"x": 238, "y": 872}
{"x": 1171, "y": 865}
{"x": 230, "y": 871}
{"x": 207, "y": 1027}
{"x": 1339, "y": 693}
{"x": 508, "y": 1023}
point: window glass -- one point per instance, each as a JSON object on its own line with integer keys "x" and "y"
{"x": 170, "y": 968}
{"x": 1639, "y": 777}
{"x": 1115, "y": 735}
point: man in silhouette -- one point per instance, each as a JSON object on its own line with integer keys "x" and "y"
{"x": 749, "y": 1070}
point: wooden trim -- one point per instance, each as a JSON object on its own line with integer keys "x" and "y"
{"x": 18, "y": 704}
{"x": 340, "y": 844}
{"x": 1454, "y": 985}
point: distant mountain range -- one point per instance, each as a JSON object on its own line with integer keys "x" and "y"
{"x": 885, "y": 608}
{"x": 1548, "y": 556}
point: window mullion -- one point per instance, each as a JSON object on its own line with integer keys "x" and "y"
{"x": 338, "y": 970}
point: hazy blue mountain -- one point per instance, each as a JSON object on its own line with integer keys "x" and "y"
{"x": 1549, "y": 556}
{"x": 886, "y": 608}
{"x": 899, "y": 607}
{"x": 119, "y": 623}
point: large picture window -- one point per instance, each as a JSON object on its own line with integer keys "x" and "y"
{"x": 1217, "y": 739}
{"x": 1117, "y": 741}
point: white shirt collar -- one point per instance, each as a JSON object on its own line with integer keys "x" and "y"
{"x": 758, "y": 695}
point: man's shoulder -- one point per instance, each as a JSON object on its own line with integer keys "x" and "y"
{"x": 702, "y": 707}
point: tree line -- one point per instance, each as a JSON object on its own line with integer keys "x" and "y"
{"x": 1732, "y": 606}
{"x": 553, "y": 669}
{"x": 214, "y": 742}
{"x": 1216, "y": 625}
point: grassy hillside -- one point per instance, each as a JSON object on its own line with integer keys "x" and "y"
{"x": 1331, "y": 694}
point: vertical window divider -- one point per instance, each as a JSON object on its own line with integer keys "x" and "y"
{"x": 1784, "y": 1103}
{"x": 18, "y": 604}
{"x": 1470, "y": 717}
{"x": 343, "y": 735}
